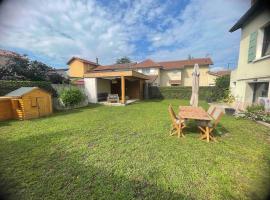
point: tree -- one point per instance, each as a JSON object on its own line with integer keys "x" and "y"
{"x": 123, "y": 60}
{"x": 221, "y": 89}
{"x": 21, "y": 68}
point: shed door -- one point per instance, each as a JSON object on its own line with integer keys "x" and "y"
{"x": 41, "y": 106}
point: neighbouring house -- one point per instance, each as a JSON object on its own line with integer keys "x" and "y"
{"x": 166, "y": 73}
{"x": 250, "y": 80}
{"x": 128, "y": 80}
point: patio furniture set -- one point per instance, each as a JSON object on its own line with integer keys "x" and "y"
{"x": 206, "y": 121}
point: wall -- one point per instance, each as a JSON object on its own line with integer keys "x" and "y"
{"x": 103, "y": 86}
{"x": 167, "y": 75}
{"x": 245, "y": 73}
{"x": 204, "y": 76}
{"x": 153, "y": 71}
{"x": 246, "y": 70}
{"x": 76, "y": 69}
{"x": 5, "y": 109}
{"x": 90, "y": 85}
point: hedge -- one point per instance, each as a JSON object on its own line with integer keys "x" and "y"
{"x": 8, "y": 86}
{"x": 179, "y": 92}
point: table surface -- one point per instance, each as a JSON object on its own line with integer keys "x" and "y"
{"x": 190, "y": 112}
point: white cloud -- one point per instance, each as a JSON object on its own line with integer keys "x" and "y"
{"x": 59, "y": 29}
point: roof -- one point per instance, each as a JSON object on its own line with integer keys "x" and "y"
{"x": 179, "y": 64}
{"x": 106, "y": 74}
{"x": 220, "y": 73}
{"x": 21, "y": 91}
{"x": 175, "y": 81}
{"x": 257, "y": 7}
{"x": 115, "y": 66}
{"x": 147, "y": 63}
{"x": 82, "y": 60}
{"x": 151, "y": 78}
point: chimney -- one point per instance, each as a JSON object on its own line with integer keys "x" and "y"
{"x": 97, "y": 60}
{"x": 252, "y": 2}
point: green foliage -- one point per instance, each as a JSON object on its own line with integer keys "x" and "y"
{"x": 178, "y": 92}
{"x": 21, "y": 68}
{"x": 125, "y": 152}
{"x": 123, "y": 60}
{"x": 71, "y": 97}
{"x": 8, "y": 86}
{"x": 221, "y": 89}
{"x": 255, "y": 108}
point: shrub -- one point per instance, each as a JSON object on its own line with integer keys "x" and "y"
{"x": 71, "y": 96}
{"x": 180, "y": 92}
{"x": 220, "y": 91}
{"x": 256, "y": 112}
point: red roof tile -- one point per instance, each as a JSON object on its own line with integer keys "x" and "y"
{"x": 151, "y": 78}
{"x": 82, "y": 60}
{"x": 114, "y": 67}
{"x": 179, "y": 64}
{"x": 147, "y": 64}
{"x": 220, "y": 73}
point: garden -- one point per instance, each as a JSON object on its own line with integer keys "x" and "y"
{"x": 100, "y": 152}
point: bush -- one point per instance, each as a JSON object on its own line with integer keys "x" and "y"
{"x": 256, "y": 112}
{"x": 71, "y": 96}
{"x": 178, "y": 92}
{"x": 221, "y": 89}
{"x": 9, "y": 86}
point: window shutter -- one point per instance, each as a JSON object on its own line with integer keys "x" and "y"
{"x": 252, "y": 46}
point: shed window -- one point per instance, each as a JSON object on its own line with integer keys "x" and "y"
{"x": 34, "y": 102}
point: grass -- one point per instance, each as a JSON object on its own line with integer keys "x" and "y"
{"x": 126, "y": 153}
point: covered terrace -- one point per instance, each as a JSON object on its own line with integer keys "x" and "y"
{"x": 129, "y": 85}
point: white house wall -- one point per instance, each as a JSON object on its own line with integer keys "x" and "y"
{"x": 91, "y": 89}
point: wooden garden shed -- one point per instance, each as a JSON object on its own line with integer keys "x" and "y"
{"x": 25, "y": 103}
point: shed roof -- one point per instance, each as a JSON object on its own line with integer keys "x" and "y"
{"x": 21, "y": 91}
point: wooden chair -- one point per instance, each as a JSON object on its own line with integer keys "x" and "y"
{"x": 207, "y": 128}
{"x": 211, "y": 110}
{"x": 177, "y": 124}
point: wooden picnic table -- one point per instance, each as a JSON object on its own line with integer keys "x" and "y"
{"x": 196, "y": 113}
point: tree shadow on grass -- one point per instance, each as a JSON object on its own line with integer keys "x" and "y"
{"x": 66, "y": 174}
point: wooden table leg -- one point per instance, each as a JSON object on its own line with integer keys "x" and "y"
{"x": 207, "y": 133}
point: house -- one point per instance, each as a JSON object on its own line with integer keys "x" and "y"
{"x": 166, "y": 73}
{"x": 250, "y": 80}
{"x": 128, "y": 80}
{"x": 25, "y": 103}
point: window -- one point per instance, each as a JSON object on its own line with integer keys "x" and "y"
{"x": 146, "y": 71}
{"x": 266, "y": 41}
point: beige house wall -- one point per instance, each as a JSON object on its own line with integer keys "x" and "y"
{"x": 78, "y": 68}
{"x": 167, "y": 75}
{"x": 260, "y": 67}
{"x": 205, "y": 78}
{"x": 248, "y": 72}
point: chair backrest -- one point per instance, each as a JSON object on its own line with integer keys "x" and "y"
{"x": 211, "y": 110}
{"x": 172, "y": 113}
{"x": 217, "y": 114}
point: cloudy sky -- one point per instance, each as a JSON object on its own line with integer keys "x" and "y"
{"x": 55, "y": 30}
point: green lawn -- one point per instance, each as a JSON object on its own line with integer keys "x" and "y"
{"x": 103, "y": 152}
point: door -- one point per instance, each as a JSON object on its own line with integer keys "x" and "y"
{"x": 41, "y": 106}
